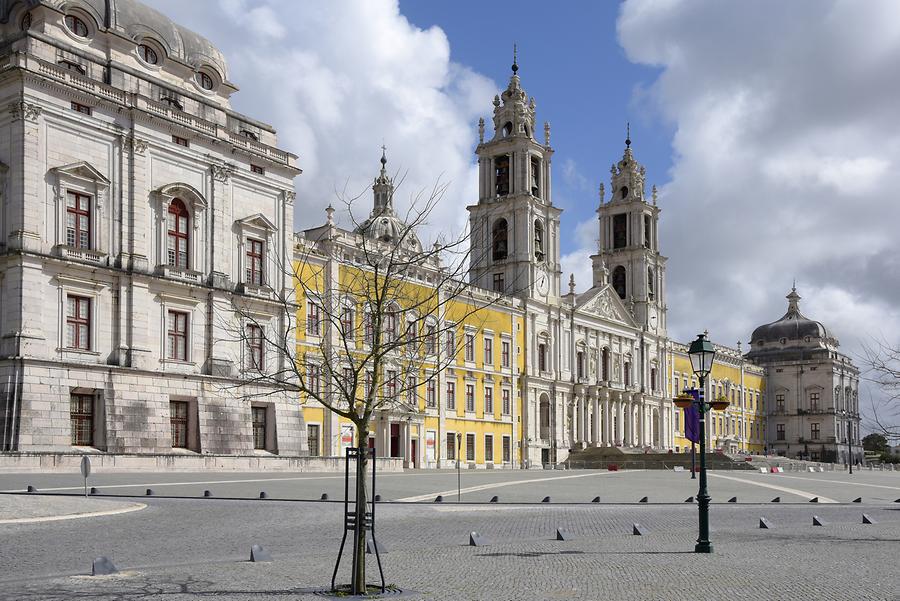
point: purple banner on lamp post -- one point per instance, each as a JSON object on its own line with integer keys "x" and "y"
{"x": 692, "y": 418}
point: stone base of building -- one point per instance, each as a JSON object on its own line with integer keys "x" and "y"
{"x": 139, "y": 462}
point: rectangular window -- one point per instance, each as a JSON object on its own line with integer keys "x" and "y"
{"x": 347, "y": 323}
{"x": 411, "y": 399}
{"x": 451, "y": 396}
{"x": 177, "y": 235}
{"x": 504, "y": 354}
{"x": 620, "y": 230}
{"x": 312, "y": 439}
{"x": 506, "y": 405}
{"x": 177, "y": 339}
{"x": 507, "y": 449}
{"x": 254, "y": 262}
{"x": 430, "y": 339}
{"x": 489, "y": 448}
{"x": 430, "y": 396}
{"x": 779, "y": 403}
{"x": 501, "y": 175}
{"x": 178, "y": 416}
{"x": 81, "y": 108}
{"x": 412, "y": 338}
{"x": 255, "y": 346}
{"x": 82, "y": 416}
{"x": 814, "y": 401}
{"x": 488, "y": 352}
{"x": 535, "y": 177}
{"x": 470, "y": 447}
{"x": 779, "y": 431}
{"x": 470, "y": 397}
{"x": 259, "y": 427}
{"x": 313, "y": 378}
{"x": 78, "y": 322}
{"x": 814, "y": 431}
{"x": 368, "y": 328}
{"x": 313, "y": 319}
{"x": 450, "y": 344}
{"x": 470, "y": 347}
{"x": 257, "y": 169}
{"x": 499, "y": 284}
{"x": 367, "y": 385}
{"x": 78, "y": 220}
{"x": 677, "y": 421}
{"x": 542, "y": 357}
{"x": 451, "y": 446}
{"x": 181, "y": 141}
{"x": 488, "y": 401}
{"x": 390, "y": 386}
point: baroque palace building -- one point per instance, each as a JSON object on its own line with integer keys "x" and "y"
{"x": 138, "y": 211}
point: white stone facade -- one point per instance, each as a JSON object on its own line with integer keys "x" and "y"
{"x": 139, "y": 211}
{"x": 595, "y": 362}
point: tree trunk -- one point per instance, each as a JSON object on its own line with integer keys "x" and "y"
{"x": 358, "y": 582}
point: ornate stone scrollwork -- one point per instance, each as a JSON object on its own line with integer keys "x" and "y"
{"x": 26, "y": 110}
{"x": 289, "y": 197}
{"x": 221, "y": 173}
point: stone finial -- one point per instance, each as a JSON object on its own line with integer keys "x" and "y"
{"x": 653, "y": 193}
{"x": 571, "y": 283}
{"x": 602, "y": 193}
{"x": 329, "y": 212}
{"x": 497, "y": 100}
{"x": 793, "y": 299}
{"x": 627, "y": 134}
{"x": 612, "y": 169}
{"x": 546, "y": 133}
{"x": 481, "y": 130}
{"x": 515, "y": 65}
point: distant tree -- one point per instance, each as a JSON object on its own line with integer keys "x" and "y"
{"x": 876, "y": 443}
{"x": 881, "y": 366}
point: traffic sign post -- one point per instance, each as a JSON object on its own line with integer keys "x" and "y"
{"x": 85, "y": 471}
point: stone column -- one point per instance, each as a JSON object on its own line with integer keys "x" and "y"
{"x": 620, "y": 420}
{"x": 585, "y": 422}
{"x": 595, "y": 423}
{"x": 641, "y": 419}
{"x": 576, "y": 419}
{"x": 606, "y": 420}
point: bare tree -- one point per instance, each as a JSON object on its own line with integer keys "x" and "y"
{"x": 881, "y": 366}
{"x": 387, "y": 313}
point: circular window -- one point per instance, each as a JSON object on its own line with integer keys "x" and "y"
{"x": 76, "y": 26}
{"x": 205, "y": 81}
{"x": 148, "y": 54}
{"x": 26, "y": 22}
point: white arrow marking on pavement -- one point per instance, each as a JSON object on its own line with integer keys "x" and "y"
{"x": 792, "y": 491}
{"x": 502, "y": 484}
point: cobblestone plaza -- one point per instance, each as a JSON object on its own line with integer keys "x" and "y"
{"x": 172, "y": 549}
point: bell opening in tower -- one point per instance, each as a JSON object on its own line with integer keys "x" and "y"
{"x": 501, "y": 167}
{"x": 620, "y": 231}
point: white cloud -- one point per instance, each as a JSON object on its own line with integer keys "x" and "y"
{"x": 336, "y": 79}
{"x": 786, "y": 160}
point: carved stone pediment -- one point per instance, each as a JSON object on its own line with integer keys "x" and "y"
{"x": 604, "y": 303}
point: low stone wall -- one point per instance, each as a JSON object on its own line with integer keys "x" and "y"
{"x": 71, "y": 462}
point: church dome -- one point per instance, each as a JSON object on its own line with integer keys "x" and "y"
{"x": 383, "y": 223}
{"x": 137, "y": 21}
{"x": 793, "y": 326}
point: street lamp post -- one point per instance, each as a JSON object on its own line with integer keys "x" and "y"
{"x": 458, "y": 476}
{"x": 850, "y": 443}
{"x": 702, "y": 353}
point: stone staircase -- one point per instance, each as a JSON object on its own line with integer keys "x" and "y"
{"x": 606, "y": 457}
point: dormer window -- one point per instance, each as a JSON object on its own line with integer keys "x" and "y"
{"x": 204, "y": 80}
{"x": 77, "y": 26}
{"x": 148, "y": 54}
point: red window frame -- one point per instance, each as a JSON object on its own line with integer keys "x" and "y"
{"x": 488, "y": 351}
{"x": 506, "y": 406}
{"x": 430, "y": 396}
{"x": 255, "y": 255}
{"x": 78, "y": 220}
{"x": 178, "y": 419}
{"x": 488, "y": 400}
{"x": 430, "y": 339}
{"x": 177, "y": 335}
{"x": 255, "y": 346}
{"x": 470, "y": 398}
{"x": 470, "y": 347}
{"x": 313, "y": 321}
{"x": 178, "y": 235}
{"x": 78, "y": 322}
{"x": 504, "y": 354}
{"x": 451, "y": 396}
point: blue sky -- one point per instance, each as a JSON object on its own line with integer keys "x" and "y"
{"x": 572, "y": 64}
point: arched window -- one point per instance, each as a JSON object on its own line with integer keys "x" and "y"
{"x": 26, "y": 22}
{"x": 499, "y": 240}
{"x": 178, "y": 234}
{"x": 205, "y": 80}
{"x": 538, "y": 240}
{"x": 77, "y": 26}
{"x": 507, "y": 129}
{"x": 605, "y": 365}
{"x": 535, "y": 177}
{"x": 618, "y": 281}
{"x": 501, "y": 175}
{"x": 650, "y": 285}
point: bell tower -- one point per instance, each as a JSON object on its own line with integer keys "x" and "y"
{"x": 514, "y": 226}
{"x": 629, "y": 257}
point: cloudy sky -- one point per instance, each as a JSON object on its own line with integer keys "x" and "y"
{"x": 770, "y": 128}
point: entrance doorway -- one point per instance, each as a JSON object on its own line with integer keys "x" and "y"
{"x": 545, "y": 456}
{"x": 395, "y": 440}
{"x": 414, "y": 449}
